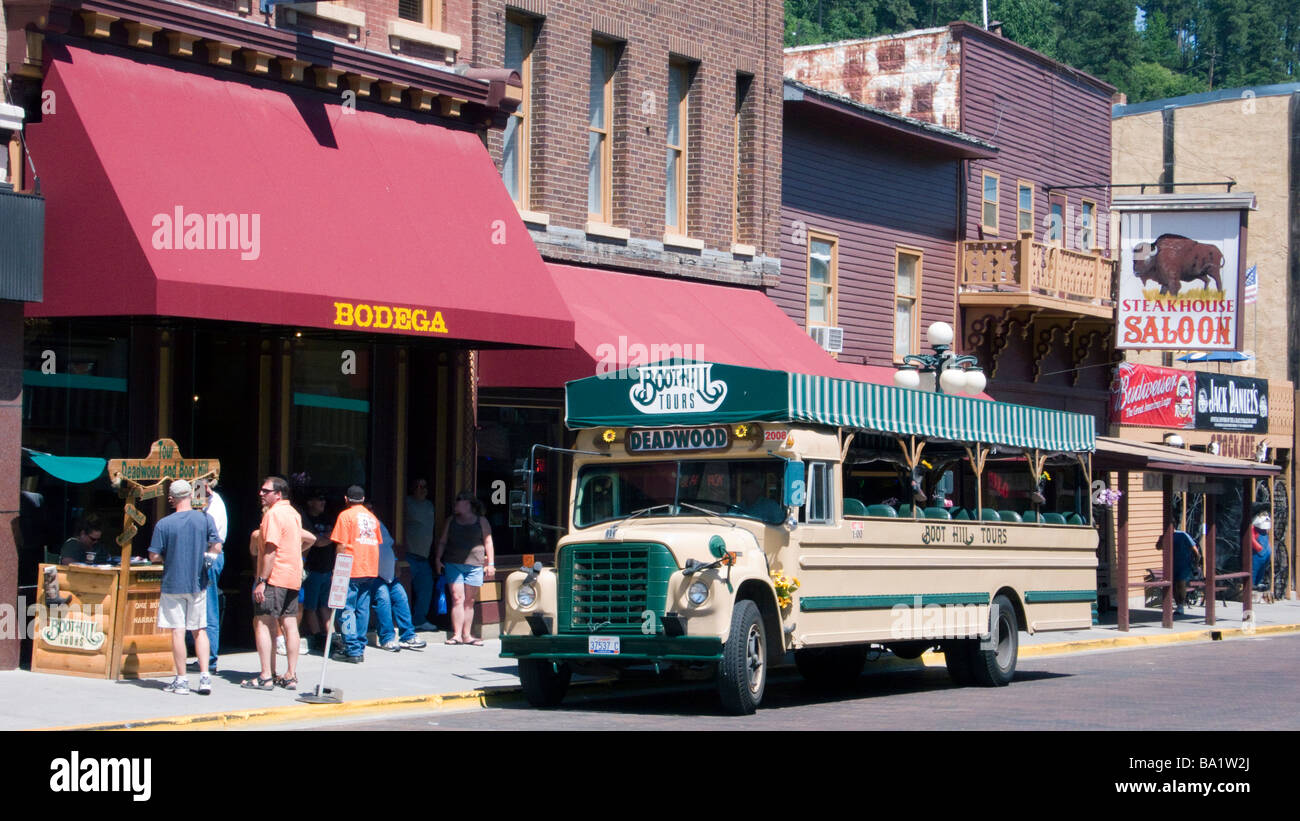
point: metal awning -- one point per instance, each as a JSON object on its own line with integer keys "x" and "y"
{"x": 707, "y": 393}
{"x": 1125, "y": 454}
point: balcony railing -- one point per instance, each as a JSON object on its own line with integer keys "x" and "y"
{"x": 1022, "y": 271}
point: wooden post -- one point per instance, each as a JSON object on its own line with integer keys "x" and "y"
{"x": 1121, "y": 554}
{"x": 1247, "y": 557}
{"x": 1211, "y": 558}
{"x": 1167, "y": 547}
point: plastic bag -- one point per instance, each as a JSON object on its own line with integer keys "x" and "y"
{"x": 441, "y": 587}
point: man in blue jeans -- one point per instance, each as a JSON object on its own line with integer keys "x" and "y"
{"x": 391, "y": 603}
{"x": 215, "y": 508}
{"x": 419, "y": 541}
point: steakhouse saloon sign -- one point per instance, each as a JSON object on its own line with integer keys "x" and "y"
{"x": 1178, "y": 280}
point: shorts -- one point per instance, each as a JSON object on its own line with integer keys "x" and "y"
{"x": 316, "y": 589}
{"x": 471, "y": 574}
{"x": 184, "y": 611}
{"x": 278, "y": 602}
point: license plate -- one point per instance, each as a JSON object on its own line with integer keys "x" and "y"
{"x": 602, "y": 645}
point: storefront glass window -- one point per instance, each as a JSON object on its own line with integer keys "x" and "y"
{"x": 331, "y": 413}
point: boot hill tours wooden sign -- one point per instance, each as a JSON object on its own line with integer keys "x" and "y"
{"x": 120, "y": 604}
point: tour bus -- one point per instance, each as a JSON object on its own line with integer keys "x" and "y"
{"x": 722, "y": 516}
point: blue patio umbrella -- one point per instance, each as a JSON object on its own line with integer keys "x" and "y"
{"x": 75, "y": 469}
{"x": 1214, "y": 356}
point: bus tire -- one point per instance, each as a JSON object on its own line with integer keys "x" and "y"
{"x": 742, "y": 673}
{"x": 957, "y": 658}
{"x": 996, "y": 666}
{"x": 831, "y": 667}
{"x": 545, "y": 682}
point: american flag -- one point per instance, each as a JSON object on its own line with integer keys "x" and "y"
{"x": 1252, "y": 285}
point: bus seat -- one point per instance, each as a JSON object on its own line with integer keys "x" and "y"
{"x": 854, "y": 507}
{"x": 1030, "y": 516}
{"x": 882, "y": 510}
{"x": 1074, "y": 519}
{"x": 960, "y": 513}
{"x": 937, "y": 513}
{"x": 905, "y": 511}
{"x": 1009, "y": 516}
{"x": 1053, "y": 519}
{"x": 988, "y": 514}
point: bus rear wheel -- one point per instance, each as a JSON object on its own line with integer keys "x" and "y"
{"x": 742, "y": 673}
{"x": 993, "y": 663}
{"x": 545, "y": 682}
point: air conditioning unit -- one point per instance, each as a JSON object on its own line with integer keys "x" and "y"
{"x": 831, "y": 339}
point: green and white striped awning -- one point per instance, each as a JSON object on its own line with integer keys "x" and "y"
{"x": 705, "y": 393}
{"x": 906, "y": 411}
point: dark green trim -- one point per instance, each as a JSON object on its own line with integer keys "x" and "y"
{"x": 36, "y": 379}
{"x": 814, "y": 603}
{"x": 316, "y": 400}
{"x": 638, "y": 648}
{"x": 1046, "y": 596}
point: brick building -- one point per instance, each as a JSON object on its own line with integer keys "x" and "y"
{"x": 645, "y": 159}
{"x": 261, "y": 226}
{"x": 1034, "y": 276}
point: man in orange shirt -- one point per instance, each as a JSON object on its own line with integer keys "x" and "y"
{"x": 356, "y": 532}
{"x": 275, "y": 590}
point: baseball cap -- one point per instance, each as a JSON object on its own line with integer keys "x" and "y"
{"x": 179, "y": 489}
{"x": 356, "y": 493}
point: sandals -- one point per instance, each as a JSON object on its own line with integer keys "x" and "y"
{"x": 474, "y": 643}
{"x": 259, "y": 683}
{"x": 453, "y": 640}
{"x": 287, "y": 682}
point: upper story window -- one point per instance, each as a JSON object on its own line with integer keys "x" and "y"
{"x": 520, "y": 33}
{"x": 600, "y": 132}
{"x": 426, "y": 12}
{"x": 989, "y": 211}
{"x": 907, "y": 301}
{"x": 1088, "y": 228}
{"x": 1056, "y": 219}
{"x": 679, "y": 84}
{"x": 822, "y": 263}
{"x": 1024, "y": 206}
{"x": 738, "y": 153}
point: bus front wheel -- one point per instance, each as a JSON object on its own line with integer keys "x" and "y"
{"x": 742, "y": 673}
{"x": 545, "y": 682}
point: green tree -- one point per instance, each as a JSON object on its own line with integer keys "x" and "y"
{"x": 1102, "y": 37}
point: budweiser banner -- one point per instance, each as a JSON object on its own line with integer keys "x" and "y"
{"x": 1231, "y": 403}
{"x": 1178, "y": 280}
{"x": 1147, "y": 395}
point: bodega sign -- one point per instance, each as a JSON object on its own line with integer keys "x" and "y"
{"x": 1178, "y": 280}
{"x": 651, "y": 441}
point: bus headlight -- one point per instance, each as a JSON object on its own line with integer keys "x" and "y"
{"x": 526, "y": 595}
{"x": 697, "y": 593}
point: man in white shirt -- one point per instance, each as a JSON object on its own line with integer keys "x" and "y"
{"x": 216, "y": 508}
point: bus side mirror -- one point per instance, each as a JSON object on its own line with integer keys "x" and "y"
{"x": 518, "y": 508}
{"x": 794, "y": 491}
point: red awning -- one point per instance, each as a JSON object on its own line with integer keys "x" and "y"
{"x": 293, "y": 209}
{"x": 631, "y": 319}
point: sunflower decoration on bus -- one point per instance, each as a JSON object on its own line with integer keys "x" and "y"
{"x": 785, "y": 587}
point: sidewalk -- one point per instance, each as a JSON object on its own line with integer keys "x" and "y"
{"x": 457, "y": 677}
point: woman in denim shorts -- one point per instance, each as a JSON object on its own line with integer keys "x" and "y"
{"x": 465, "y": 555}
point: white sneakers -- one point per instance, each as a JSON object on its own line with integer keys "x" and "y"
{"x": 179, "y": 686}
{"x": 205, "y": 686}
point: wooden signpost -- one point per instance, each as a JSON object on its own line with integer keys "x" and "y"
{"x": 125, "y": 639}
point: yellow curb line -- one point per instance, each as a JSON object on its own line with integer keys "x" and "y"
{"x": 296, "y": 712}
{"x": 479, "y": 698}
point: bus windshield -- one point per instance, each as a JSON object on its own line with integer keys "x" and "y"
{"x": 745, "y": 488}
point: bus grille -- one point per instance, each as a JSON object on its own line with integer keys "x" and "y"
{"x": 607, "y": 588}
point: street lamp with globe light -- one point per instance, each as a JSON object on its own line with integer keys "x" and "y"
{"x": 956, "y": 373}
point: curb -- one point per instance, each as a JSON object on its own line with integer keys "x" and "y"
{"x": 487, "y": 697}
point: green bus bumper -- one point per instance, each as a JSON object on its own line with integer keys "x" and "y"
{"x": 631, "y": 648}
